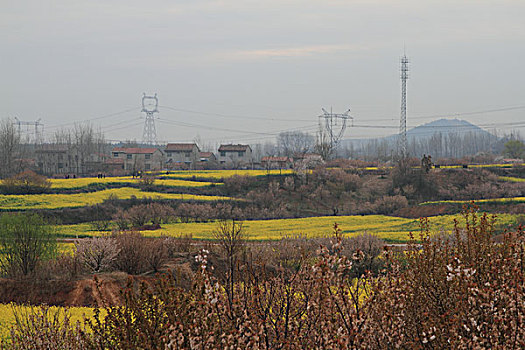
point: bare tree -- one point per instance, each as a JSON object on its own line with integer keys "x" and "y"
{"x": 323, "y": 146}
{"x": 97, "y": 253}
{"x": 294, "y": 142}
{"x": 230, "y": 237}
{"x": 10, "y": 148}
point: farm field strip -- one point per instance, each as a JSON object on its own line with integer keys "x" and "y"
{"x": 7, "y": 316}
{"x": 391, "y": 229}
{"x": 511, "y": 179}
{"x": 220, "y": 174}
{"x": 56, "y": 201}
{"x": 488, "y": 200}
{"x": 123, "y": 180}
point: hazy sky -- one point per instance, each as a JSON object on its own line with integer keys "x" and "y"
{"x": 241, "y": 71}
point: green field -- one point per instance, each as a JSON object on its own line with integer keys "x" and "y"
{"x": 391, "y": 229}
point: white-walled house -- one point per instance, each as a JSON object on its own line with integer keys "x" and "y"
{"x": 235, "y": 156}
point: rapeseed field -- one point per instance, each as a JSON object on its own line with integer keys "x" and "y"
{"x": 7, "y": 315}
{"x": 221, "y": 174}
{"x": 391, "y": 229}
{"x": 488, "y": 200}
{"x": 56, "y": 201}
{"x": 511, "y": 179}
{"x": 121, "y": 180}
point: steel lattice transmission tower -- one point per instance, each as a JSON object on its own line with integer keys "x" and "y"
{"x": 38, "y": 131}
{"x": 335, "y": 125}
{"x": 403, "y": 149}
{"x": 150, "y": 107}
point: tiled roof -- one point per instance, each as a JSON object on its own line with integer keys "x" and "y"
{"x": 135, "y": 150}
{"x": 233, "y": 148}
{"x": 205, "y": 154}
{"x": 180, "y": 146}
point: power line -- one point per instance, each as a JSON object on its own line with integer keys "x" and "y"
{"x": 95, "y": 118}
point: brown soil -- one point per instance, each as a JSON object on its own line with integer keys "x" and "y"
{"x": 99, "y": 290}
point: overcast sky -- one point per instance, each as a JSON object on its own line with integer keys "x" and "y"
{"x": 241, "y": 71}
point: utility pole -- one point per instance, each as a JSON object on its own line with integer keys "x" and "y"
{"x": 403, "y": 149}
{"x": 335, "y": 125}
{"x": 150, "y": 107}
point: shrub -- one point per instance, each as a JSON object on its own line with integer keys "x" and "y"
{"x": 138, "y": 215}
{"x": 156, "y": 252}
{"x": 159, "y": 213}
{"x": 130, "y": 257}
{"x": 121, "y": 219}
{"x": 27, "y": 182}
{"x": 97, "y": 253}
{"x": 389, "y": 204}
{"x": 147, "y": 182}
{"x": 25, "y": 240}
{"x": 366, "y": 248}
{"x": 465, "y": 292}
{"x": 45, "y": 328}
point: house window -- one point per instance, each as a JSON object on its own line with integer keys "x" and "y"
{"x": 241, "y": 154}
{"x": 60, "y": 165}
{"x": 223, "y": 154}
{"x": 129, "y": 156}
{"x": 60, "y": 157}
{"x": 188, "y": 154}
{"x": 148, "y": 156}
{"x": 147, "y": 166}
{"x": 222, "y": 162}
{"x": 115, "y": 154}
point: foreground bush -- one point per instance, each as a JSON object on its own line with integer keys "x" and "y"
{"x": 45, "y": 328}
{"x": 458, "y": 292}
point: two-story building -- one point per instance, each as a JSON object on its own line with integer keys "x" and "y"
{"x": 55, "y": 159}
{"x": 139, "y": 159}
{"x": 182, "y": 155}
{"x": 235, "y": 156}
{"x": 67, "y": 159}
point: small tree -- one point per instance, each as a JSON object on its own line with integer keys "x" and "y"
{"x": 147, "y": 182}
{"x": 25, "y": 240}
{"x": 514, "y": 149}
{"x": 27, "y": 182}
{"x": 230, "y": 237}
{"x": 97, "y": 253}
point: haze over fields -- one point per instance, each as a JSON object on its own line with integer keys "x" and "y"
{"x": 243, "y": 71}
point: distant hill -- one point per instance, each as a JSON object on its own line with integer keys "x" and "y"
{"x": 446, "y": 126}
{"x": 440, "y": 126}
{"x": 442, "y": 137}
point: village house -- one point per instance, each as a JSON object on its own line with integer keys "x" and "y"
{"x": 276, "y": 162}
{"x": 55, "y": 159}
{"x": 207, "y": 160}
{"x": 67, "y": 159}
{"x": 307, "y": 160}
{"x": 235, "y": 156}
{"x": 139, "y": 159}
{"x": 182, "y": 155}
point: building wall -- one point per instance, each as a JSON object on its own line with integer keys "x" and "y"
{"x": 189, "y": 158}
{"x": 140, "y": 161}
{"x": 235, "y": 157}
